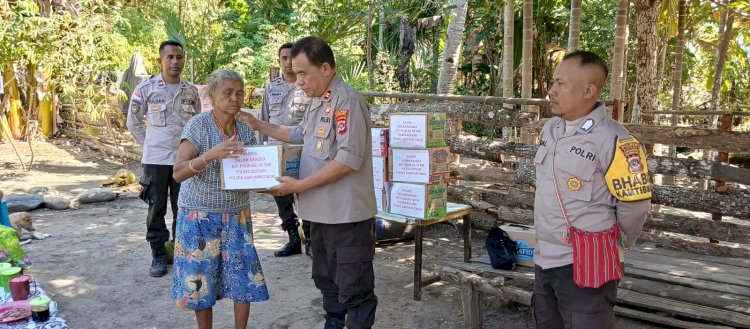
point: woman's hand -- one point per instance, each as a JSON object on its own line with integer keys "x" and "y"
{"x": 231, "y": 148}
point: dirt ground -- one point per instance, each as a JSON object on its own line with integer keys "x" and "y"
{"x": 95, "y": 264}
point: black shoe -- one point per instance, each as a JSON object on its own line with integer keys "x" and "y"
{"x": 333, "y": 322}
{"x": 158, "y": 267}
{"x": 308, "y": 248}
{"x": 293, "y": 247}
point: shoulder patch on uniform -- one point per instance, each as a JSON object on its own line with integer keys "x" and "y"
{"x": 627, "y": 176}
{"x": 136, "y": 97}
{"x": 342, "y": 117}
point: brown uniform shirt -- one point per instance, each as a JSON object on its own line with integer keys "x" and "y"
{"x": 583, "y": 157}
{"x": 336, "y": 127}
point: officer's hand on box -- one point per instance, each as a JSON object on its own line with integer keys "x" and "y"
{"x": 288, "y": 186}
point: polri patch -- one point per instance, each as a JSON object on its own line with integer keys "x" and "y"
{"x": 627, "y": 176}
{"x": 342, "y": 116}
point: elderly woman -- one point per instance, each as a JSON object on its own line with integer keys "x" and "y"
{"x": 214, "y": 255}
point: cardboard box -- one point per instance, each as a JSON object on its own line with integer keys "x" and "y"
{"x": 417, "y": 130}
{"x": 379, "y": 172}
{"x": 423, "y": 201}
{"x": 379, "y": 142}
{"x": 425, "y": 166}
{"x": 258, "y": 166}
{"x": 525, "y": 239}
{"x": 290, "y": 159}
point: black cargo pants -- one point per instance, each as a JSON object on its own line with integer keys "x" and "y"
{"x": 342, "y": 269}
{"x": 158, "y": 186}
{"x": 559, "y": 303}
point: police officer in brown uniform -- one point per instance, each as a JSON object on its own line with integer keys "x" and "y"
{"x": 164, "y": 104}
{"x": 285, "y": 104}
{"x": 591, "y": 168}
{"x": 335, "y": 188}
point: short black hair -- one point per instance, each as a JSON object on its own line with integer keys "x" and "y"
{"x": 287, "y": 45}
{"x": 588, "y": 58}
{"x": 316, "y": 49}
{"x": 170, "y": 43}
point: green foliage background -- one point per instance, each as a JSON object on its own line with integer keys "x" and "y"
{"x": 244, "y": 35}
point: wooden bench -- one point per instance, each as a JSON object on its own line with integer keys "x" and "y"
{"x": 661, "y": 286}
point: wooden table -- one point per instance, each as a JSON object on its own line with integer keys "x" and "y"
{"x": 454, "y": 211}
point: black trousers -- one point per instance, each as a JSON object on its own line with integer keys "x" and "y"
{"x": 342, "y": 269}
{"x": 285, "y": 204}
{"x": 559, "y": 303}
{"x": 158, "y": 187}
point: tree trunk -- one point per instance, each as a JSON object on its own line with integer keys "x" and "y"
{"x": 618, "y": 59}
{"x": 453, "y": 40}
{"x": 646, "y": 58}
{"x": 574, "y": 30}
{"x": 508, "y": 69}
{"x": 725, "y": 35}
{"x": 679, "y": 51}
{"x": 677, "y": 72}
{"x": 370, "y": 70}
{"x": 435, "y": 55}
{"x": 527, "y": 51}
{"x": 381, "y": 30}
{"x": 406, "y": 49}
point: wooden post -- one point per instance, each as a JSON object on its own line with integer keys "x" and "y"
{"x": 418, "y": 260}
{"x": 616, "y": 111}
{"x": 471, "y": 300}
{"x": 467, "y": 239}
{"x": 721, "y": 186}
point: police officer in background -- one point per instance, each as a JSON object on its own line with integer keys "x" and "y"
{"x": 335, "y": 188}
{"x": 164, "y": 104}
{"x": 284, "y": 104}
{"x": 581, "y": 152}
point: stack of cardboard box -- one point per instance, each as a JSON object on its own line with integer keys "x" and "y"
{"x": 418, "y": 165}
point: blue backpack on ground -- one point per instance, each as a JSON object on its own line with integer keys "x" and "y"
{"x": 501, "y": 249}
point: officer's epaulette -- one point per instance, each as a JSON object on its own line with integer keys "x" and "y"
{"x": 617, "y": 128}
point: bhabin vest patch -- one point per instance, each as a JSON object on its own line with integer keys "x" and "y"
{"x": 627, "y": 177}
